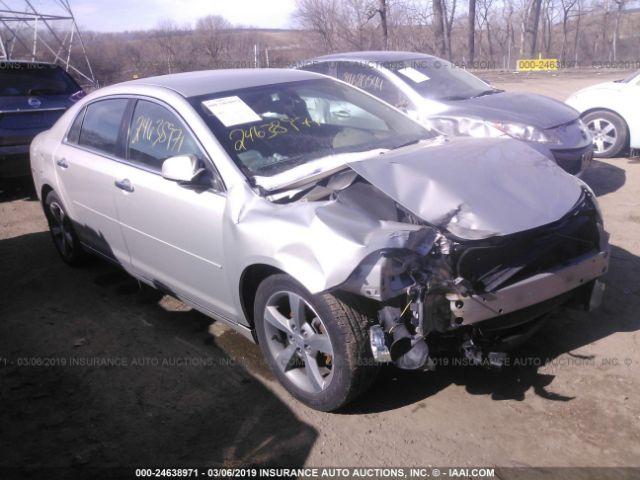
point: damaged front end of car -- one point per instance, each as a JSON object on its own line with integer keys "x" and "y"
{"x": 481, "y": 297}
{"x": 457, "y": 246}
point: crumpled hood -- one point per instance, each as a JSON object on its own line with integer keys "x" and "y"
{"x": 529, "y": 108}
{"x": 474, "y": 188}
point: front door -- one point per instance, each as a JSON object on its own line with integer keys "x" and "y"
{"x": 174, "y": 232}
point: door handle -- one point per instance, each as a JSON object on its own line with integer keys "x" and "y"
{"x": 62, "y": 163}
{"x": 124, "y": 184}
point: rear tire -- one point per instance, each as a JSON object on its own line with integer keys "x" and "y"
{"x": 610, "y": 133}
{"x": 320, "y": 355}
{"x": 62, "y": 232}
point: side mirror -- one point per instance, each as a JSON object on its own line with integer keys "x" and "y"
{"x": 181, "y": 168}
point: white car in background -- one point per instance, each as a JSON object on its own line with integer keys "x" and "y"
{"x": 611, "y": 110}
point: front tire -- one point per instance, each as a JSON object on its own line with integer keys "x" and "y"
{"x": 610, "y": 133}
{"x": 63, "y": 234}
{"x": 316, "y": 345}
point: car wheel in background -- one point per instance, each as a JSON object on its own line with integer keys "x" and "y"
{"x": 610, "y": 133}
{"x": 316, "y": 345}
{"x": 64, "y": 236}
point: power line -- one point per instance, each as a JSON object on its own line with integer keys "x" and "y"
{"x": 31, "y": 34}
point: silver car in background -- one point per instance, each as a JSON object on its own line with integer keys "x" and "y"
{"x": 452, "y": 100}
{"x": 336, "y": 242}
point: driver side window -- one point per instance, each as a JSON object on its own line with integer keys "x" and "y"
{"x": 156, "y": 134}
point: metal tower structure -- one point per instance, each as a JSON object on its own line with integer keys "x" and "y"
{"x": 28, "y": 32}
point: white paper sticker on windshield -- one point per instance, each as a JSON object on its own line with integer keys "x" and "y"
{"x": 413, "y": 74}
{"x": 231, "y": 111}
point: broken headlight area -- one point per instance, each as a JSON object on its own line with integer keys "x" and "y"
{"x": 480, "y": 297}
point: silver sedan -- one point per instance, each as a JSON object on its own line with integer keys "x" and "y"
{"x": 338, "y": 239}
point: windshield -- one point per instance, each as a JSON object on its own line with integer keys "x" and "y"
{"x": 272, "y": 128}
{"x": 25, "y": 79}
{"x": 438, "y": 79}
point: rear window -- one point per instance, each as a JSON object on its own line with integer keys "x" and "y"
{"x": 101, "y": 125}
{"x": 27, "y": 79}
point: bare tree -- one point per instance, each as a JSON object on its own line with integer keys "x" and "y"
{"x": 586, "y": 30}
{"x": 439, "y": 27}
{"x": 566, "y": 7}
{"x": 382, "y": 11}
{"x": 510, "y": 34}
{"x": 471, "y": 31}
{"x": 548, "y": 21}
{"x": 449, "y": 16}
{"x": 530, "y": 23}
{"x": 165, "y": 37}
{"x": 321, "y": 17}
{"x": 212, "y": 36}
{"x": 485, "y": 23}
{"x": 577, "y": 34}
{"x": 616, "y": 29}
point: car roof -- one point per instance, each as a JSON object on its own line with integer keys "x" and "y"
{"x": 375, "y": 56}
{"x": 193, "y": 84}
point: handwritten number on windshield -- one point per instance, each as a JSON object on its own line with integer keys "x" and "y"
{"x": 268, "y": 131}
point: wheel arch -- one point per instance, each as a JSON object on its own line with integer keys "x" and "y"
{"x": 615, "y": 112}
{"x": 252, "y": 276}
{"x": 44, "y": 191}
{"x": 609, "y": 110}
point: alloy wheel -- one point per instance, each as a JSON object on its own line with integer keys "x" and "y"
{"x": 299, "y": 342}
{"x": 61, "y": 229}
{"x": 604, "y": 134}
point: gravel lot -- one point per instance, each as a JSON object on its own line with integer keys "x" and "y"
{"x": 179, "y": 389}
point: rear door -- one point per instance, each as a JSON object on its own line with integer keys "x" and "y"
{"x": 87, "y": 164}
{"x": 174, "y": 232}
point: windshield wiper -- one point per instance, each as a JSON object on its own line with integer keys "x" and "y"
{"x": 488, "y": 92}
{"x": 453, "y": 97}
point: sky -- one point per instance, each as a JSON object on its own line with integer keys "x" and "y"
{"x": 120, "y": 15}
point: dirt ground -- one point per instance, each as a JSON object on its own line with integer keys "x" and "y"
{"x": 97, "y": 372}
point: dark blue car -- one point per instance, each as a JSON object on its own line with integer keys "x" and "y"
{"x": 33, "y": 95}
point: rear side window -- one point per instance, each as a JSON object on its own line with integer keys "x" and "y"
{"x": 101, "y": 125}
{"x": 73, "y": 135}
{"x": 26, "y": 79}
{"x": 157, "y": 134}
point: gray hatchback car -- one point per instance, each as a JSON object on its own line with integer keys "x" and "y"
{"x": 337, "y": 243}
{"x": 451, "y": 100}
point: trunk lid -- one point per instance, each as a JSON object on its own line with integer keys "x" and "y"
{"x": 23, "y": 117}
